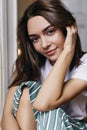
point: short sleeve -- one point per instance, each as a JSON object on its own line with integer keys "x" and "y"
{"x": 80, "y": 72}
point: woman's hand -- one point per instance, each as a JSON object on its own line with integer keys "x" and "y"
{"x": 70, "y": 41}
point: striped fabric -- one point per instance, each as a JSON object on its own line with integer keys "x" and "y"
{"x": 56, "y": 119}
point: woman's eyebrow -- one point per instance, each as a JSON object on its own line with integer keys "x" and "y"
{"x": 33, "y": 35}
{"x": 47, "y": 27}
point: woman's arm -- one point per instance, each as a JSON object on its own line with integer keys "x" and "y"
{"x": 8, "y": 121}
{"x": 71, "y": 89}
{"x": 25, "y": 115}
{"x": 53, "y": 88}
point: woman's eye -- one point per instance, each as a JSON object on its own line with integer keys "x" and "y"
{"x": 34, "y": 40}
{"x": 50, "y": 32}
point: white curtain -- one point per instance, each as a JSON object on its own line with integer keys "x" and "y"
{"x": 8, "y": 44}
{"x": 0, "y": 78}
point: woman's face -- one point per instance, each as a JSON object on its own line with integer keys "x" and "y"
{"x": 46, "y": 39}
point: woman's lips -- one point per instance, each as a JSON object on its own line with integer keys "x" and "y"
{"x": 51, "y": 52}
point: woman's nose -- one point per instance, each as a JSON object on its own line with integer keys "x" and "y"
{"x": 45, "y": 42}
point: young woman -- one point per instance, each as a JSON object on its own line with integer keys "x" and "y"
{"x": 50, "y": 78}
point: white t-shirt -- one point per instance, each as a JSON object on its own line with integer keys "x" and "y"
{"x": 76, "y": 108}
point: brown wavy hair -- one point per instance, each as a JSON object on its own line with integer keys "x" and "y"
{"x": 29, "y": 62}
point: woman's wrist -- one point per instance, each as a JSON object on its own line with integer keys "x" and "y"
{"x": 68, "y": 53}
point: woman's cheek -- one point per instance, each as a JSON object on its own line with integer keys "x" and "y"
{"x": 37, "y": 48}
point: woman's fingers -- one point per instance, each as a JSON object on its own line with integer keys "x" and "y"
{"x": 70, "y": 41}
{"x": 72, "y": 29}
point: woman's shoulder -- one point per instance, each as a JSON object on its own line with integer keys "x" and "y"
{"x": 84, "y": 57}
{"x": 12, "y": 90}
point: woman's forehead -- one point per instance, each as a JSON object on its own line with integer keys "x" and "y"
{"x": 37, "y": 23}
